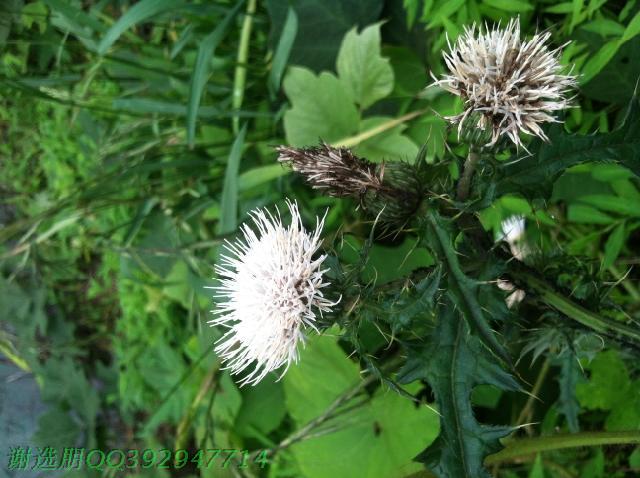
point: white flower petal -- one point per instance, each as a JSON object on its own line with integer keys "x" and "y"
{"x": 270, "y": 287}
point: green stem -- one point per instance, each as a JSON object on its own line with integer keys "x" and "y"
{"x": 352, "y": 141}
{"x": 575, "y": 311}
{"x": 240, "y": 74}
{"x": 531, "y": 446}
{"x": 464, "y": 184}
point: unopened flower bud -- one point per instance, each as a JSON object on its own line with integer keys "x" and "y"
{"x": 389, "y": 191}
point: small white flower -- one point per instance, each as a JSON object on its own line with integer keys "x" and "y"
{"x": 513, "y": 85}
{"x": 271, "y": 290}
{"x": 513, "y": 231}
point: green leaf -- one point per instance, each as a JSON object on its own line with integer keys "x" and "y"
{"x": 570, "y": 376}
{"x": 509, "y": 5}
{"x": 382, "y": 434}
{"x": 598, "y": 61}
{"x": 259, "y": 176}
{"x": 633, "y": 28}
{"x": 613, "y": 204}
{"x": 139, "y": 12}
{"x": 414, "y": 304}
{"x": 462, "y": 290}
{"x": 263, "y": 408}
{"x": 390, "y": 145}
{"x": 366, "y": 75}
{"x": 613, "y": 246}
{"x": 321, "y": 27}
{"x": 534, "y": 176}
{"x": 322, "y": 374}
{"x": 283, "y": 50}
{"x": 56, "y": 426}
{"x": 582, "y": 214}
{"x": 229, "y": 201}
{"x": 610, "y": 388}
{"x": 201, "y": 69}
{"x": 321, "y": 108}
{"x": 453, "y": 362}
{"x": 537, "y": 470}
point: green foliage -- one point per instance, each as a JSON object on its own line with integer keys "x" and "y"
{"x": 384, "y": 433}
{"x": 610, "y": 388}
{"x": 534, "y": 177}
{"x": 135, "y": 137}
{"x": 366, "y": 75}
{"x": 453, "y": 362}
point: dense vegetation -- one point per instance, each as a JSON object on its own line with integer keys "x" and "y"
{"x": 137, "y": 136}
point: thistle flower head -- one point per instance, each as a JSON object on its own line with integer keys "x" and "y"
{"x": 508, "y": 85}
{"x": 336, "y": 171}
{"x": 271, "y": 289}
{"x": 390, "y": 191}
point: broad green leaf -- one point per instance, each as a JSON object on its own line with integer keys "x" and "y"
{"x": 283, "y": 50}
{"x": 56, "y": 426}
{"x": 381, "y": 435}
{"x": 139, "y": 12}
{"x": 386, "y": 263}
{"x": 454, "y": 361}
{"x": 390, "y": 145}
{"x": 534, "y": 176}
{"x": 263, "y": 408}
{"x": 366, "y": 75}
{"x": 229, "y": 201}
{"x": 201, "y": 69}
{"x": 322, "y": 374}
{"x": 617, "y": 82}
{"x": 321, "y": 26}
{"x": 613, "y": 246}
{"x": 321, "y": 108}
{"x": 611, "y": 389}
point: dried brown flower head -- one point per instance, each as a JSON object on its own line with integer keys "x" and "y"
{"x": 510, "y": 85}
{"x": 390, "y": 190}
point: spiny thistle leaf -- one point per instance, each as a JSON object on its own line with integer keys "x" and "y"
{"x": 570, "y": 376}
{"x": 534, "y": 176}
{"x": 409, "y": 306}
{"x": 453, "y": 362}
{"x": 462, "y": 290}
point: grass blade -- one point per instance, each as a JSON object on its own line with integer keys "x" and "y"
{"x": 201, "y": 70}
{"x": 229, "y": 202}
{"x": 281, "y": 55}
{"x": 138, "y": 13}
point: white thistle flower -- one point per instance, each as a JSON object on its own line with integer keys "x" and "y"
{"x": 271, "y": 289}
{"x": 512, "y": 85}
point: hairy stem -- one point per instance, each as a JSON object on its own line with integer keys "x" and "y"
{"x": 464, "y": 184}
